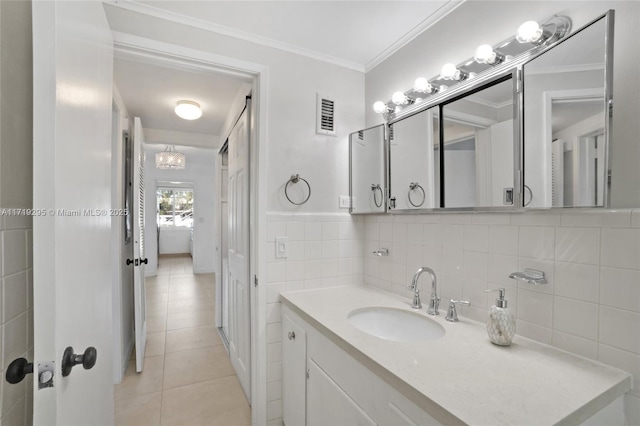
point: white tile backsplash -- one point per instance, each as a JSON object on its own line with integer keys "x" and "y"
{"x": 620, "y": 328}
{"x": 536, "y": 242}
{"x": 620, "y": 248}
{"x": 591, "y": 306}
{"x": 575, "y": 317}
{"x": 577, "y": 281}
{"x": 16, "y": 312}
{"x": 579, "y": 245}
{"x": 620, "y": 288}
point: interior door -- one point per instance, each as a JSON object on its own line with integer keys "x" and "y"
{"x": 139, "y": 262}
{"x": 238, "y": 240}
{"x": 72, "y": 78}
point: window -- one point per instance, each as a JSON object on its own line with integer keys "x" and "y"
{"x": 175, "y": 207}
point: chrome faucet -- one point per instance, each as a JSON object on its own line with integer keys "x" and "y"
{"x": 434, "y": 300}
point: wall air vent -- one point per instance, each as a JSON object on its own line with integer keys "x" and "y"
{"x": 325, "y": 114}
{"x": 361, "y": 135}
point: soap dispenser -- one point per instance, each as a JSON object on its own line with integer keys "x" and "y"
{"x": 501, "y": 324}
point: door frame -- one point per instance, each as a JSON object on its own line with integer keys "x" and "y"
{"x": 181, "y": 57}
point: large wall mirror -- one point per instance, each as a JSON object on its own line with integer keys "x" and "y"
{"x": 413, "y": 157}
{"x": 479, "y": 141}
{"x": 533, "y": 132}
{"x": 566, "y": 122}
{"x": 367, "y": 175}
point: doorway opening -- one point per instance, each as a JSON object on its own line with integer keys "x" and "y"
{"x": 253, "y": 81}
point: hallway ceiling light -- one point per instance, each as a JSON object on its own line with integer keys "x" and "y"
{"x": 188, "y": 110}
{"x": 170, "y": 159}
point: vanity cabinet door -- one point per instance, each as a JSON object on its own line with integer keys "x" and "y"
{"x": 328, "y": 404}
{"x": 294, "y": 356}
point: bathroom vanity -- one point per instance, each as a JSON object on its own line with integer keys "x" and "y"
{"x": 335, "y": 373}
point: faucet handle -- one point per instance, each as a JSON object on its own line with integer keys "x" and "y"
{"x": 452, "y": 314}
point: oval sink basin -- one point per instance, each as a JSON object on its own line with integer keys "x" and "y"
{"x": 395, "y": 324}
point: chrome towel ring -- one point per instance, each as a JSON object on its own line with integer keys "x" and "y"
{"x": 295, "y": 179}
{"x": 375, "y": 188}
{"x": 412, "y": 187}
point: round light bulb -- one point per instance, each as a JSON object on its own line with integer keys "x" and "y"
{"x": 379, "y": 107}
{"x": 529, "y": 32}
{"x": 421, "y": 85}
{"x": 188, "y": 110}
{"x": 449, "y": 72}
{"x": 485, "y": 55}
{"x": 399, "y": 98}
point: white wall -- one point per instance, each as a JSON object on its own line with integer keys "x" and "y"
{"x": 174, "y": 240}
{"x": 455, "y": 38}
{"x": 292, "y": 145}
{"x": 200, "y": 171}
{"x": 591, "y": 305}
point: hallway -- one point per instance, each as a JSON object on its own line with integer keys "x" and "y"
{"x": 187, "y": 377}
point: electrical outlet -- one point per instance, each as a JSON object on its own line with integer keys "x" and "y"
{"x": 344, "y": 202}
{"x": 281, "y": 247}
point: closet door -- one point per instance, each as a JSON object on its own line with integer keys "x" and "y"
{"x": 238, "y": 283}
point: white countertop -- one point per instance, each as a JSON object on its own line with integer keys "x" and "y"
{"x": 463, "y": 377}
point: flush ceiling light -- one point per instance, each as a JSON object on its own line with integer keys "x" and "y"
{"x": 170, "y": 159}
{"x": 188, "y": 110}
{"x": 450, "y": 72}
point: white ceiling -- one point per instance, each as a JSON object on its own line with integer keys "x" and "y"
{"x": 151, "y": 91}
{"x": 355, "y": 34}
{"x": 358, "y": 34}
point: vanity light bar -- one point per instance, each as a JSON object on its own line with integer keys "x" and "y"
{"x": 530, "y": 35}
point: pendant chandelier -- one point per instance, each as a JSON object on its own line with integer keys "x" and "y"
{"x": 170, "y": 159}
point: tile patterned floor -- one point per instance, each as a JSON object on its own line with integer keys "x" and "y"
{"x": 187, "y": 379}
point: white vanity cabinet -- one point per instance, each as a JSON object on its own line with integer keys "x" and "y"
{"x": 324, "y": 385}
{"x": 294, "y": 370}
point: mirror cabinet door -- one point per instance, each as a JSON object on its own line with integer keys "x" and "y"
{"x": 367, "y": 170}
{"x": 413, "y": 157}
{"x": 478, "y": 141}
{"x": 565, "y": 124}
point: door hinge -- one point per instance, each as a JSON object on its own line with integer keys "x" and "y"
{"x": 518, "y": 81}
{"x": 307, "y": 374}
{"x": 255, "y": 281}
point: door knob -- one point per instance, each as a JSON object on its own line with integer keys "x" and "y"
{"x": 129, "y": 262}
{"x": 69, "y": 359}
{"x": 145, "y": 261}
{"x": 18, "y": 369}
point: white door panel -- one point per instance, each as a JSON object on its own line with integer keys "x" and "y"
{"x": 140, "y": 260}
{"x": 239, "y": 298}
{"x": 73, "y": 63}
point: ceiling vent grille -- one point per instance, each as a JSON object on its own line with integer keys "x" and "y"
{"x": 325, "y": 115}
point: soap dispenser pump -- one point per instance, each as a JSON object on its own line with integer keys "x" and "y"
{"x": 501, "y": 324}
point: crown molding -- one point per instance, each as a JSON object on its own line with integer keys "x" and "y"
{"x": 435, "y": 17}
{"x": 134, "y": 6}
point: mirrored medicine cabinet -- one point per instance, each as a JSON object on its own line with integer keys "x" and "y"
{"x": 532, "y": 133}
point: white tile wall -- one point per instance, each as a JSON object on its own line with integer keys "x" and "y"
{"x": 324, "y": 250}
{"x": 591, "y": 305}
{"x": 16, "y": 315}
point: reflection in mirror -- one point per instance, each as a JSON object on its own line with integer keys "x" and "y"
{"x": 478, "y": 132}
{"x": 412, "y": 142}
{"x": 564, "y": 122}
{"x": 367, "y": 182}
